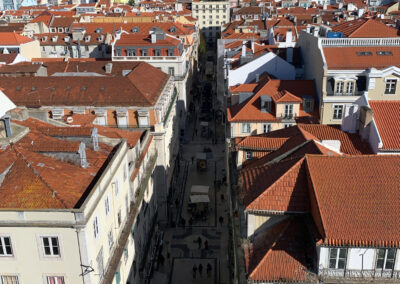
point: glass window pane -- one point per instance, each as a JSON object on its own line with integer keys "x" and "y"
{"x": 341, "y": 263}
{"x": 391, "y": 253}
{"x": 47, "y": 250}
{"x": 381, "y": 253}
{"x": 54, "y": 241}
{"x": 342, "y": 253}
{"x": 334, "y": 252}
{"x": 46, "y": 242}
{"x": 7, "y": 241}
{"x": 1, "y": 249}
{"x": 389, "y": 264}
{"x": 332, "y": 263}
{"x": 55, "y": 251}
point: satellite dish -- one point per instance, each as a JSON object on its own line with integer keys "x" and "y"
{"x": 70, "y": 119}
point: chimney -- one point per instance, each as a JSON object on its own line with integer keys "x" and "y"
{"x": 252, "y": 46}
{"x": 108, "y": 68}
{"x": 289, "y": 37}
{"x": 82, "y": 155}
{"x": 325, "y": 6}
{"x": 153, "y": 38}
{"x": 340, "y": 5}
{"x": 244, "y": 49}
{"x": 289, "y": 54}
{"x": 7, "y": 125}
{"x": 95, "y": 139}
{"x": 257, "y": 78}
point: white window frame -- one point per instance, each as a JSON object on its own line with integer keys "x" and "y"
{"x": 337, "y": 258}
{"x": 392, "y": 81}
{"x": 339, "y": 87}
{"x": 385, "y": 259}
{"x": 335, "y": 114}
{"x": 3, "y": 281}
{"x": 57, "y": 279}
{"x": 110, "y": 239}
{"x": 49, "y": 237}
{"x": 3, "y": 244}
{"x": 96, "y": 229}
{"x": 350, "y": 87}
{"x": 246, "y": 128}
{"x": 248, "y": 155}
{"x": 107, "y": 205}
{"x": 288, "y": 111}
{"x": 266, "y": 127}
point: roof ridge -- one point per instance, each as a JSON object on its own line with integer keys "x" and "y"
{"x": 314, "y": 193}
{"x": 31, "y": 167}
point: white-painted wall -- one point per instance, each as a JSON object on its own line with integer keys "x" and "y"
{"x": 270, "y": 63}
{"x": 5, "y": 104}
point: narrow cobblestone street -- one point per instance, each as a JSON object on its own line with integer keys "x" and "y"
{"x": 186, "y": 260}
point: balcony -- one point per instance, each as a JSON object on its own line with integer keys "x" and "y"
{"x": 351, "y": 275}
{"x": 287, "y": 116}
{"x": 360, "y": 41}
{"x": 134, "y": 210}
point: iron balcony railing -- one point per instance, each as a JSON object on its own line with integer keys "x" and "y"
{"x": 367, "y": 274}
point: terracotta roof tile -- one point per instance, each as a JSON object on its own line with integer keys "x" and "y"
{"x": 261, "y": 143}
{"x": 347, "y": 57}
{"x": 289, "y": 193}
{"x": 388, "y": 127}
{"x": 357, "y": 199}
{"x": 365, "y": 28}
{"x": 8, "y": 38}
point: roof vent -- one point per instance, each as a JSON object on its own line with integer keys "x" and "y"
{"x": 99, "y": 30}
{"x": 7, "y": 125}
{"x": 82, "y": 155}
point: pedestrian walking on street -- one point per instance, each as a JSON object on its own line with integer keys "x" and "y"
{"x": 194, "y": 270}
{"x": 221, "y": 220}
{"x": 206, "y": 244}
{"x": 208, "y": 269}
{"x": 199, "y": 241}
{"x": 200, "y": 269}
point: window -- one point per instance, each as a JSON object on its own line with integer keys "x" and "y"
{"x": 51, "y": 246}
{"x": 170, "y": 52}
{"x": 119, "y": 218}
{"x": 286, "y": 125}
{"x": 86, "y": 48}
{"x": 55, "y": 280}
{"x": 171, "y": 71}
{"x": 116, "y": 186}
{"x": 100, "y": 265}
{"x": 337, "y": 111}
{"x": 339, "y": 87}
{"x": 246, "y": 127}
{"x": 249, "y": 155}
{"x": 350, "y": 87}
{"x": 131, "y": 52}
{"x": 385, "y": 258}
{"x": 289, "y": 110}
{"x": 157, "y": 52}
{"x": 390, "y": 86}
{"x": 266, "y": 127}
{"x": 96, "y": 227}
{"x": 110, "y": 239}
{"x": 337, "y": 258}
{"x": 107, "y": 205}
{"x": 6, "y": 279}
{"x": 5, "y": 246}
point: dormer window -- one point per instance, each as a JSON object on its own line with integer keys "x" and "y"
{"x": 350, "y": 87}
{"x": 135, "y": 30}
{"x": 144, "y": 52}
{"x": 266, "y": 102}
{"x": 157, "y": 52}
{"x": 172, "y": 29}
{"x": 170, "y": 52}
{"x": 339, "y": 87}
{"x": 143, "y": 118}
{"x": 131, "y": 52}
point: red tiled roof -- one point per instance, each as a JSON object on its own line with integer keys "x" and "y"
{"x": 260, "y": 142}
{"x": 289, "y": 193}
{"x": 356, "y": 199}
{"x": 385, "y": 116}
{"x": 347, "y": 57}
{"x": 280, "y": 254}
{"x": 362, "y": 28}
{"x": 8, "y": 38}
{"x": 250, "y": 110}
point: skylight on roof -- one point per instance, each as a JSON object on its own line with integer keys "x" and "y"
{"x": 53, "y": 88}
{"x": 68, "y": 88}
{"x": 384, "y": 53}
{"x": 364, "y": 53}
{"x": 19, "y": 88}
{"x": 83, "y": 88}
